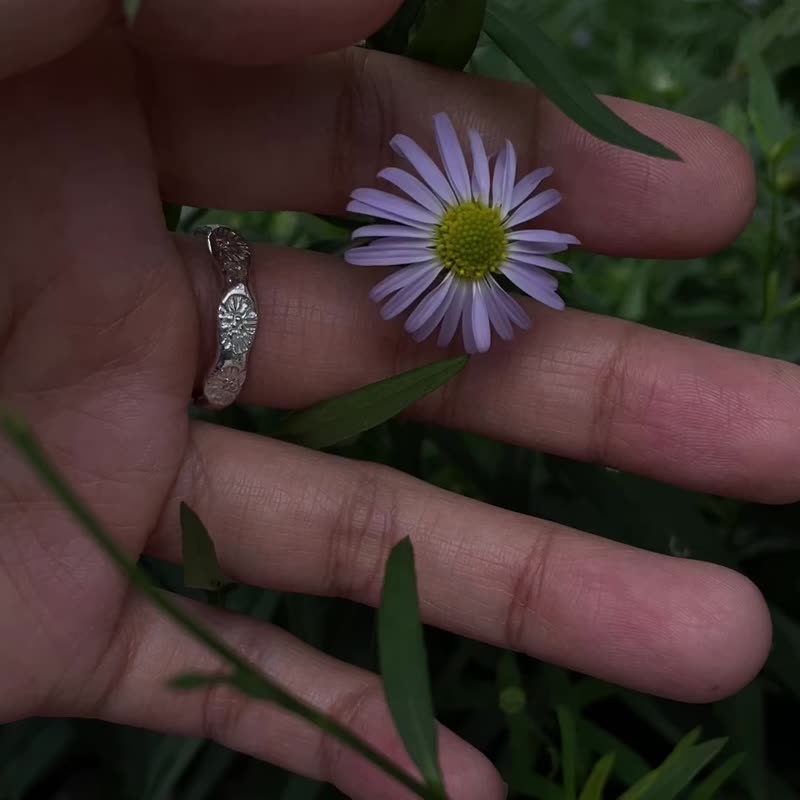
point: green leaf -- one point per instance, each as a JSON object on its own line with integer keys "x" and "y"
{"x": 598, "y": 777}
{"x": 639, "y": 790}
{"x": 188, "y": 681}
{"x": 341, "y": 417}
{"x": 539, "y": 58}
{"x": 675, "y": 777}
{"x": 448, "y": 32}
{"x": 743, "y": 718}
{"x": 201, "y": 570}
{"x": 171, "y": 759}
{"x": 764, "y": 109}
{"x": 393, "y": 36}
{"x": 172, "y": 215}
{"x": 513, "y": 701}
{"x": 131, "y": 8}
{"x": 629, "y": 766}
{"x": 708, "y": 789}
{"x": 30, "y": 750}
{"x": 401, "y": 648}
{"x": 569, "y": 751}
{"x": 678, "y": 769}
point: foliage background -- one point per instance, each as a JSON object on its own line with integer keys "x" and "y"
{"x": 697, "y": 56}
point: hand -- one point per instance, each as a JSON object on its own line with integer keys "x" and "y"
{"x": 106, "y": 321}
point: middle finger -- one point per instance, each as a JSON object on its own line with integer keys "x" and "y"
{"x": 579, "y": 385}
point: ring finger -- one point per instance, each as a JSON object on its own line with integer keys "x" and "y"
{"x": 300, "y": 521}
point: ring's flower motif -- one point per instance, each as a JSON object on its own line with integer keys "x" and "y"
{"x": 456, "y": 234}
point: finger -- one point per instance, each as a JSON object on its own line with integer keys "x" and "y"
{"x": 582, "y": 386}
{"x": 303, "y": 136}
{"x": 310, "y": 522}
{"x": 244, "y": 32}
{"x": 33, "y": 32}
{"x": 148, "y": 651}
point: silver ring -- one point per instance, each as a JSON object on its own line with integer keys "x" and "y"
{"x": 237, "y": 317}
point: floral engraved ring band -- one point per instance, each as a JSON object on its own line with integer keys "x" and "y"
{"x": 237, "y": 317}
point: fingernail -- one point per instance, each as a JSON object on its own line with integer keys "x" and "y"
{"x": 506, "y": 788}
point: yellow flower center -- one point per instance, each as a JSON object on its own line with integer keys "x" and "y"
{"x": 471, "y": 240}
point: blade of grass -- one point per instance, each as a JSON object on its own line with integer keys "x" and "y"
{"x": 569, "y": 751}
{"x": 339, "y": 418}
{"x": 401, "y": 649}
{"x": 542, "y": 61}
{"x": 598, "y": 777}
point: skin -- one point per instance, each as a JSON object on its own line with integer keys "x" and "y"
{"x": 106, "y": 323}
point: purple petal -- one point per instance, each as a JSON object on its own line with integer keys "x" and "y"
{"x": 453, "y": 313}
{"x": 417, "y": 244}
{"x": 497, "y": 314}
{"x": 514, "y": 311}
{"x": 497, "y": 179}
{"x": 414, "y": 188}
{"x": 381, "y": 256}
{"x": 430, "y": 312}
{"x": 505, "y": 171}
{"x": 452, "y": 156}
{"x": 531, "y": 283}
{"x": 424, "y": 165}
{"x": 400, "y": 231}
{"x": 467, "y": 332}
{"x": 357, "y": 207}
{"x": 534, "y": 248}
{"x": 397, "y": 205}
{"x": 538, "y": 235}
{"x": 538, "y": 261}
{"x": 481, "y": 329}
{"x": 528, "y": 185}
{"x": 539, "y": 275}
{"x": 397, "y": 281}
{"x": 411, "y": 292}
{"x": 481, "y": 179}
{"x": 534, "y": 207}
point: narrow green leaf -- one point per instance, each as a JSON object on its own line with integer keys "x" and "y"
{"x": 172, "y": 759}
{"x": 513, "y": 702}
{"x": 629, "y": 766}
{"x": 708, "y": 789}
{"x": 764, "y": 108}
{"x": 404, "y": 669}
{"x": 569, "y": 751}
{"x": 539, "y": 58}
{"x": 201, "y": 570}
{"x": 32, "y": 749}
{"x": 640, "y": 789}
{"x": 448, "y": 32}
{"x": 199, "y": 680}
{"x": 131, "y": 8}
{"x": 675, "y": 777}
{"x": 172, "y": 216}
{"x": 393, "y": 36}
{"x": 541, "y": 788}
{"x": 598, "y": 777}
{"x": 341, "y": 417}
{"x": 743, "y": 717}
{"x": 202, "y": 782}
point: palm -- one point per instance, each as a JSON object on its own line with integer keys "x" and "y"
{"x": 101, "y": 362}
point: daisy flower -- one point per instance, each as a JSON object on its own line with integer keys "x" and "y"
{"x": 452, "y": 236}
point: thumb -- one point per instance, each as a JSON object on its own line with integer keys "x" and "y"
{"x": 33, "y": 32}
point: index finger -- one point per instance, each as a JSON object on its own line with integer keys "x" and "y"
{"x": 302, "y": 136}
